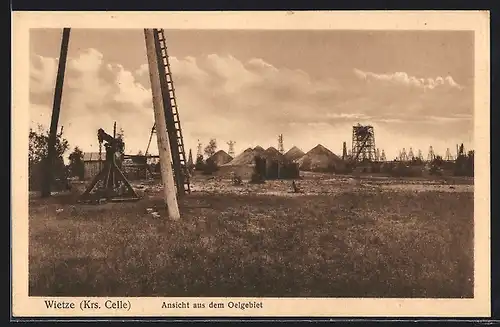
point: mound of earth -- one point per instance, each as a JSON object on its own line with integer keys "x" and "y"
{"x": 258, "y": 150}
{"x": 320, "y": 158}
{"x": 221, "y": 157}
{"x": 294, "y": 153}
{"x": 273, "y": 154}
{"x": 246, "y": 157}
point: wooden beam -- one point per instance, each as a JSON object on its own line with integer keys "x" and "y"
{"x": 51, "y": 151}
{"x": 167, "y": 173}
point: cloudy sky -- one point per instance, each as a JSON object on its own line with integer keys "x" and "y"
{"x": 415, "y": 88}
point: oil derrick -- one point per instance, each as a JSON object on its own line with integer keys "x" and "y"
{"x": 411, "y": 156}
{"x": 281, "y": 148}
{"x": 382, "y": 156}
{"x": 377, "y": 155}
{"x": 199, "y": 152}
{"x": 461, "y": 151}
{"x": 398, "y": 158}
{"x": 403, "y": 156}
{"x": 344, "y": 151}
{"x": 431, "y": 156}
{"x": 419, "y": 155}
{"x": 448, "y": 156}
{"x": 363, "y": 143}
{"x": 190, "y": 158}
{"x": 231, "y": 148}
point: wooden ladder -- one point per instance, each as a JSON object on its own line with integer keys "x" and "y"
{"x": 181, "y": 174}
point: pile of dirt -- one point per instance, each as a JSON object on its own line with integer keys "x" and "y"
{"x": 294, "y": 154}
{"x": 220, "y": 158}
{"x": 258, "y": 150}
{"x": 320, "y": 158}
{"x": 273, "y": 154}
{"x": 246, "y": 157}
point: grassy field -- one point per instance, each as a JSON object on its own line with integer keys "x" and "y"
{"x": 355, "y": 242}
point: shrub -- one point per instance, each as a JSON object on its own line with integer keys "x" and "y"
{"x": 210, "y": 167}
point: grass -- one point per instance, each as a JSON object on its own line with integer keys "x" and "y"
{"x": 363, "y": 244}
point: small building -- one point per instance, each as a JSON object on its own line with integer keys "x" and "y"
{"x": 92, "y": 164}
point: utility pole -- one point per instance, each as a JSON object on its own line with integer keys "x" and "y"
{"x": 56, "y": 108}
{"x": 167, "y": 173}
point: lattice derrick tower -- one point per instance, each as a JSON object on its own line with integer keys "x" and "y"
{"x": 281, "y": 148}
{"x": 363, "y": 143}
{"x": 231, "y": 148}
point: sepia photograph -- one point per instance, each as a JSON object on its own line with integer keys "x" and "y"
{"x": 251, "y": 163}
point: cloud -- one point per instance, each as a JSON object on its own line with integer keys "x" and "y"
{"x": 250, "y": 102}
{"x": 43, "y": 73}
{"x": 404, "y": 79}
{"x": 95, "y": 95}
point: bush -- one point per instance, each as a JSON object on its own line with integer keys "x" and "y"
{"x": 200, "y": 164}
{"x": 258, "y": 176}
{"x": 60, "y": 176}
{"x": 210, "y": 167}
{"x": 404, "y": 170}
{"x": 464, "y": 165}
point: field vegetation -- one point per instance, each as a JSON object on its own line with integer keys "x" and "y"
{"x": 341, "y": 237}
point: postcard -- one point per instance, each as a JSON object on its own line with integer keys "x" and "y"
{"x": 251, "y": 164}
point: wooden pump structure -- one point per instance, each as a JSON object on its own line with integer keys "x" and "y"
{"x": 110, "y": 183}
{"x": 167, "y": 126}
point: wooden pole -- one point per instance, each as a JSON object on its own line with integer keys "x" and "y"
{"x": 51, "y": 151}
{"x": 167, "y": 172}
